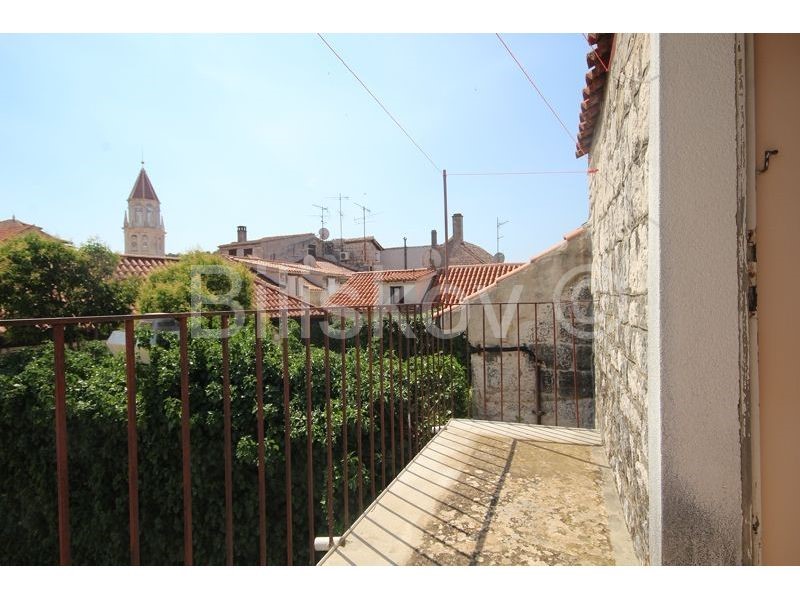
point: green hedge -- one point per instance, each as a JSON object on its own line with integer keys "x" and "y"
{"x": 96, "y": 421}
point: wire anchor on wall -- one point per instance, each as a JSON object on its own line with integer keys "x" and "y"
{"x": 767, "y": 155}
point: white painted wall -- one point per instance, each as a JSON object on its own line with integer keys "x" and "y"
{"x": 693, "y": 322}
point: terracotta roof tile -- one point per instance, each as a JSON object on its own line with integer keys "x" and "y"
{"x": 11, "y": 228}
{"x": 598, "y": 60}
{"x": 268, "y": 238}
{"x": 272, "y": 298}
{"x": 143, "y": 188}
{"x": 466, "y": 280}
{"x": 363, "y": 287}
{"x": 294, "y": 268}
{"x": 131, "y": 265}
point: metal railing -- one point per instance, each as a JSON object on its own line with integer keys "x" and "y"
{"x": 399, "y": 354}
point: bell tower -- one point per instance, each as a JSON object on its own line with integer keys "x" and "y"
{"x": 143, "y": 225}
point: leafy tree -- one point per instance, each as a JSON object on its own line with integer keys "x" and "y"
{"x": 216, "y": 281}
{"x": 47, "y": 278}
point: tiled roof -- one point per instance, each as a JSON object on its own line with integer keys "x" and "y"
{"x": 333, "y": 268}
{"x": 465, "y": 253}
{"x": 466, "y": 280}
{"x": 11, "y": 228}
{"x": 599, "y": 60}
{"x": 360, "y": 240}
{"x": 269, "y": 238}
{"x": 143, "y": 189}
{"x": 293, "y": 268}
{"x": 272, "y": 298}
{"x": 363, "y": 287}
{"x": 131, "y": 265}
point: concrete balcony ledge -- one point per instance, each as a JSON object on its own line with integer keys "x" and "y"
{"x": 492, "y": 493}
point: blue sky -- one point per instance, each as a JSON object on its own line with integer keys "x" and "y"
{"x": 255, "y": 129}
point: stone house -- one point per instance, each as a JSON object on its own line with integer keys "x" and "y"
{"x": 311, "y": 280}
{"x": 291, "y": 247}
{"x": 693, "y": 143}
{"x": 511, "y": 317}
{"x": 459, "y": 251}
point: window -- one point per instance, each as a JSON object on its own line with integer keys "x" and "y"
{"x": 150, "y": 215}
{"x": 396, "y": 294}
{"x": 248, "y": 252}
{"x": 232, "y": 252}
{"x": 137, "y": 220}
{"x": 312, "y": 250}
{"x": 134, "y": 242}
{"x": 145, "y": 243}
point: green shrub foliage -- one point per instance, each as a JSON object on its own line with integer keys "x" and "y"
{"x": 98, "y": 462}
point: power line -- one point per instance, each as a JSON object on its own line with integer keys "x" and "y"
{"x": 538, "y": 91}
{"x": 496, "y": 173}
{"x": 374, "y": 97}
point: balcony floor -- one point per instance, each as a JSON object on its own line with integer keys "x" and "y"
{"x": 490, "y": 493}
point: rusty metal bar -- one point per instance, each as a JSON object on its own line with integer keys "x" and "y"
{"x": 186, "y": 443}
{"x": 359, "y": 402}
{"x": 262, "y": 490}
{"x": 501, "y": 363}
{"x": 391, "y": 396}
{"x": 416, "y": 388}
{"x": 450, "y": 335}
{"x": 287, "y": 441}
{"x": 574, "y": 369}
{"x": 468, "y": 353}
{"x": 400, "y": 386}
{"x": 62, "y": 453}
{"x": 483, "y": 347}
{"x": 432, "y": 343}
{"x": 409, "y": 404}
{"x": 228, "y": 435}
{"x": 382, "y": 402}
{"x": 519, "y": 371}
{"x": 133, "y": 452}
{"x": 555, "y": 361}
{"x": 370, "y": 363}
{"x": 309, "y": 448}
{"x": 538, "y": 389}
{"x": 345, "y": 457}
{"x": 328, "y": 434}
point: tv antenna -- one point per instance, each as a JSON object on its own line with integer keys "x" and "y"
{"x": 341, "y": 214}
{"x": 324, "y": 234}
{"x": 363, "y": 220}
{"x": 499, "y": 225}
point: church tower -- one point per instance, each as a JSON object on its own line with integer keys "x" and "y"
{"x": 143, "y": 226}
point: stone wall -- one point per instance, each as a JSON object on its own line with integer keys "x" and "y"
{"x": 524, "y": 337}
{"x": 619, "y": 222}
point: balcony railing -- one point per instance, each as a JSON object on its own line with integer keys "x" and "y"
{"x": 375, "y": 383}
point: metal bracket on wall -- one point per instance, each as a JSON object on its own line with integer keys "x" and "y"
{"x": 767, "y": 155}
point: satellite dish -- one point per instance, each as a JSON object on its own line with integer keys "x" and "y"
{"x": 499, "y": 257}
{"x": 309, "y": 261}
{"x": 324, "y": 234}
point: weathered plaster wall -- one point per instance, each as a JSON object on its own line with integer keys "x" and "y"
{"x": 528, "y": 384}
{"x": 619, "y": 219}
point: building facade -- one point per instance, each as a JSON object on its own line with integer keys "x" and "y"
{"x": 692, "y": 144}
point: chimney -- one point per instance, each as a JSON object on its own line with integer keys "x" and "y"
{"x": 241, "y": 233}
{"x": 458, "y": 227}
{"x": 433, "y": 238}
